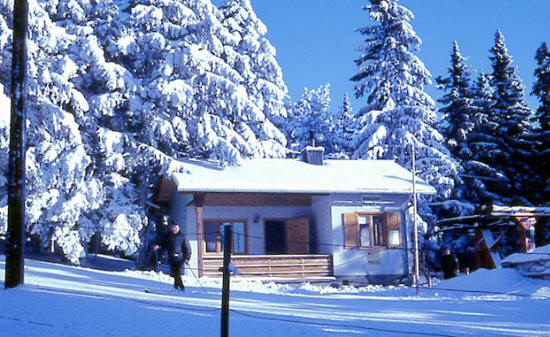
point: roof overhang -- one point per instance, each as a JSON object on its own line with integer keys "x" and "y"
{"x": 293, "y": 176}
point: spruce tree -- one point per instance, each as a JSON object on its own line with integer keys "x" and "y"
{"x": 60, "y": 187}
{"x": 310, "y": 113}
{"x": 457, "y": 122}
{"x": 117, "y": 95}
{"x": 107, "y": 126}
{"x": 343, "y": 128}
{"x": 481, "y": 144}
{"x": 195, "y": 102}
{"x": 398, "y": 112}
{"x": 253, "y": 57}
{"x": 457, "y": 114}
{"x": 541, "y": 89}
{"x": 514, "y": 132}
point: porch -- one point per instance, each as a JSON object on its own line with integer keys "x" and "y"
{"x": 311, "y": 267}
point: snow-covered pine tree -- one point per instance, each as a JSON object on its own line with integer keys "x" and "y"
{"x": 342, "y": 124}
{"x": 458, "y": 119}
{"x": 481, "y": 143}
{"x": 514, "y": 132}
{"x": 310, "y": 113}
{"x": 123, "y": 92}
{"x": 60, "y": 189}
{"x": 253, "y": 57}
{"x": 107, "y": 88}
{"x": 541, "y": 89}
{"x": 398, "y": 111}
{"x": 194, "y": 102}
{"x": 457, "y": 114}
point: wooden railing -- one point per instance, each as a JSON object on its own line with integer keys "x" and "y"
{"x": 272, "y": 266}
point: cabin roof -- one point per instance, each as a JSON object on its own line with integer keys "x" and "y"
{"x": 295, "y": 176}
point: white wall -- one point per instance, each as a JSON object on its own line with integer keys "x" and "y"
{"x": 322, "y": 231}
{"x": 370, "y": 264}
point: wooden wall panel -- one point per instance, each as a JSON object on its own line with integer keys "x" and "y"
{"x": 257, "y": 199}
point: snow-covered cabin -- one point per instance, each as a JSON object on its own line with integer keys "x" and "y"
{"x": 346, "y": 219}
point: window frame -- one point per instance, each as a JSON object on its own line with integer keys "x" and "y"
{"x": 391, "y": 221}
{"x": 219, "y": 224}
{"x": 380, "y": 241}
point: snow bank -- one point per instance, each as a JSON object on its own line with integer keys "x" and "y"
{"x": 505, "y": 281}
{"x": 534, "y": 264}
{"x": 536, "y": 255}
{"x": 483, "y": 284}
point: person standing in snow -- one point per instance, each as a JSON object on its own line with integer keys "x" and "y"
{"x": 449, "y": 264}
{"x": 179, "y": 251}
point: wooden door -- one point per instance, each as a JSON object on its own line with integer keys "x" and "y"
{"x": 297, "y": 236}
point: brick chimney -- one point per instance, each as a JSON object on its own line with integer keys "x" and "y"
{"x": 312, "y": 154}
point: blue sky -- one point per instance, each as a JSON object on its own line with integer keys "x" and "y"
{"x": 316, "y": 43}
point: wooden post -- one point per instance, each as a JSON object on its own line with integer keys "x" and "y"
{"x": 16, "y": 168}
{"x": 200, "y": 239}
{"x": 199, "y": 201}
{"x": 226, "y": 282}
{"x": 415, "y": 225}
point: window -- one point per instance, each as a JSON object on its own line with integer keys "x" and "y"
{"x": 210, "y": 235}
{"x": 364, "y": 230}
{"x": 214, "y": 236}
{"x": 393, "y": 237}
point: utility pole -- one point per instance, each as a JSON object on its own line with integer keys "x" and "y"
{"x": 16, "y": 169}
{"x": 225, "y": 285}
{"x": 415, "y": 225}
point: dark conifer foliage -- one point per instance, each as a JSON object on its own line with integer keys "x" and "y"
{"x": 514, "y": 133}
{"x": 541, "y": 89}
{"x": 457, "y": 114}
{"x": 482, "y": 144}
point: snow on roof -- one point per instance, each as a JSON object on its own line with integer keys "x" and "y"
{"x": 539, "y": 254}
{"x": 520, "y": 211}
{"x": 294, "y": 176}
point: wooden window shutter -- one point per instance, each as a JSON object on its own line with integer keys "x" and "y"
{"x": 393, "y": 223}
{"x": 351, "y": 230}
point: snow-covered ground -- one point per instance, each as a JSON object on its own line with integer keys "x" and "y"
{"x": 59, "y": 300}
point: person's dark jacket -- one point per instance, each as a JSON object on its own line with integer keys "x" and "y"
{"x": 177, "y": 246}
{"x": 449, "y": 264}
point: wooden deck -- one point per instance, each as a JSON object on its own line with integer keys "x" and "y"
{"x": 312, "y": 267}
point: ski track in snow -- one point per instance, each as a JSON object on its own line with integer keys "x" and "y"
{"x": 60, "y": 300}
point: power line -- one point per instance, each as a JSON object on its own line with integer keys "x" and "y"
{"x": 112, "y": 230}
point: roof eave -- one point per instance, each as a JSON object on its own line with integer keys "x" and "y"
{"x": 297, "y": 191}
